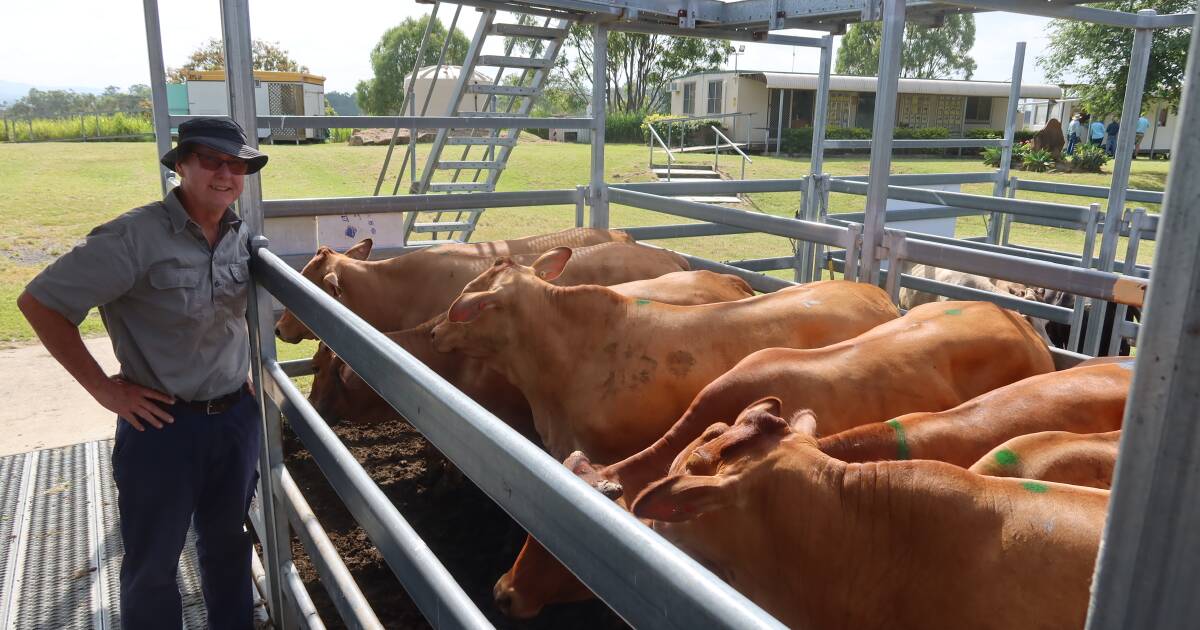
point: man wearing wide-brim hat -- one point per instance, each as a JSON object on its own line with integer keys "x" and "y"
{"x": 170, "y": 279}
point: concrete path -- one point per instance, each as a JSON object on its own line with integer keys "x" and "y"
{"x": 43, "y": 407}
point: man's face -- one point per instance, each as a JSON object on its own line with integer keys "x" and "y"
{"x": 208, "y": 180}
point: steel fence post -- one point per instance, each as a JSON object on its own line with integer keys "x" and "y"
{"x": 1147, "y": 569}
{"x": 1010, "y": 134}
{"x": 599, "y": 218}
{"x": 1139, "y": 60}
{"x": 882, "y": 129}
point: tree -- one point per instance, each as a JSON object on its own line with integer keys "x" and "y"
{"x": 393, "y": 59}
{"x": 1097, "y": 57}
{"x": 211, "y": 56}
{"x": 343, "y": 103}
{"x": 640, "y": 66}
{"x": 929, "y": 53}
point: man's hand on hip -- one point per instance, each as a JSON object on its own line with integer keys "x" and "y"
{"x": 133, "y": 403}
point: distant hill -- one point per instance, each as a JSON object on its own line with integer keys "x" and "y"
{"x": 343, "y": 103}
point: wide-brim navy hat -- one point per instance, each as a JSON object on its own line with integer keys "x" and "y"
{"x": 219, "y": 134}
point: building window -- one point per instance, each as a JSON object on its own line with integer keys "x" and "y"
{"x": 689, "y": 98}
{"x": 1162, "y": 117}
{"x": 714, "y": 97}
{"x": 979, "y": 109}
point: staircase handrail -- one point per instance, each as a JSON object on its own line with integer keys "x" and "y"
{"x": 717, "y": 149}
{"x": 657, "y": 138}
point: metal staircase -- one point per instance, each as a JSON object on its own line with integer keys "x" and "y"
{"x": 518, "y": 75}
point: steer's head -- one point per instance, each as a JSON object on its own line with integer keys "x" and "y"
{"x": 481, "y": 322}
{"x": 323, "y": 270}
{"x": 338, "y": 393}
{"x": 712, "y": 472}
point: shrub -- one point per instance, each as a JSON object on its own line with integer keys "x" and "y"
{"x": 118, "y": 126}
{"x": 983, "y": 134}
{"x": 992, "y": 156}
{"x": 799, "y": 140}
{"x": 1088, "y": 158}
{"x": 1038, "y": 160}
{"x": 694, "y": 131}
{"x": 1021, "y": 135}
{"x": 624, "y": 127}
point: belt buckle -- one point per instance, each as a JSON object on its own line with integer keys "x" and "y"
{"x": 208, "y": 408}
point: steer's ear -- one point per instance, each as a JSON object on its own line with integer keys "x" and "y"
{"x": 469, "y": 306}
{"x": 680, "y": 498}
{"x": 804, "y": 422}
{"x": 550, "y": 265}
{"x": 361, "y": 249}
{"x": 331, "y": 284}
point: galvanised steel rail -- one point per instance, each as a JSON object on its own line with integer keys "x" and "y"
{"x": 427, "y": 582}
{"x": 343, "y": 591}
{"x": 1083, "y": 190}
{"x": 334, "y": 206}
{"x": 715, "y": 186}
{"x": 1106, "y": 286}
{"x": 1058, "y": 211}
{"x": 642, "y": 577}
{"x": 780, "y": 226}
{"x": 934, "y": 143}
{"x": 407, "y": 122}
{"x": 929, "y": 179}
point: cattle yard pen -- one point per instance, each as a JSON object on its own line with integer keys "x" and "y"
{"x": 1145, "y": 572}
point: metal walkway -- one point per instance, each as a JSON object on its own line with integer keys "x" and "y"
{"x": 60, "y": 543}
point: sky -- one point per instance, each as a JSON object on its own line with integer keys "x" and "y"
{"x": 91, "y": 45}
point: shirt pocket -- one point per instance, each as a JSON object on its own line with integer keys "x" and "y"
{"x": 230, "y": 290}
{"x": 176, "y": 290}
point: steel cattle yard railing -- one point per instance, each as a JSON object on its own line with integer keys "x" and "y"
{"x": 644, "y": 578}
{"x": 1144, "y": 576}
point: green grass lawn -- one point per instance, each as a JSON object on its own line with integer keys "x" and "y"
{"x": 57, "y": 192}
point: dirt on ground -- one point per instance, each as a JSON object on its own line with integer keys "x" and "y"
{"x": 473, "y": 537}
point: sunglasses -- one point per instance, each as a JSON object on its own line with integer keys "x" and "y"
{"x": 213, "y": 163}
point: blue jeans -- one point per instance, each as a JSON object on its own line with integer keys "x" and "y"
{"x": 199, "y": 470}
{"x": 1072, "y": 140}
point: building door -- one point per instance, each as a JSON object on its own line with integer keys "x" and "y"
{"x": 865, "y": 116}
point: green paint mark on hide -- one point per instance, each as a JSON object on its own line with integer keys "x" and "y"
{"x": 902, "y": 451}
{"x": 1005, "y": 457}
{"x": 1035, "y": 487}
{"x": 954, "y": 311}
{"x": 643, "y": 302}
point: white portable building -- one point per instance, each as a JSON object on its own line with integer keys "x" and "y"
{"x": 275, "y": 94}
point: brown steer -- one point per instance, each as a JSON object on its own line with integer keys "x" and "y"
{"x": 1089, "y": 399}
{"x": 405, "y": 291}
{"x": 935, "y": 357}
{"x": 819, "y": 543}
{"x": 607, "y": 374}
{"x": 338, "y": 393}
{"x": 1060, "y": 456}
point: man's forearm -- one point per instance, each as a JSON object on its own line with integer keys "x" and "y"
{"x": 63, "y": 341}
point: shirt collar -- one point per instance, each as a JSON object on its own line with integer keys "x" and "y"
{"x": 180, "y": 219}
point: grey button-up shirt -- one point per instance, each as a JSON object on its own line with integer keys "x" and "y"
{"x": 174, "y": 307}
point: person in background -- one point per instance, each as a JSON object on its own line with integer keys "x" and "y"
{"x": 1143, "y": 125}
{"x": 1097, "y": 128}
{"x": 1073, "y": 129}
{"x": 1113, "y": 128}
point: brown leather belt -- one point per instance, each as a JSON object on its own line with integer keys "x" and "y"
{"x": 217, "y": 405}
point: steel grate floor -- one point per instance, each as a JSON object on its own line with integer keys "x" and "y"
{"x": 60, "y": 543}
